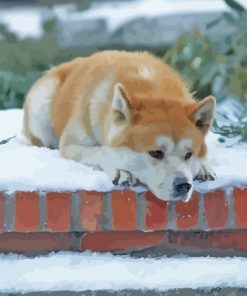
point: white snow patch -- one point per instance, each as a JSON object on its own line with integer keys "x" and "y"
{"x": 25, "y": 22}
{"x": 230, "y": 111}
{"x": 227, "y": 162}
{"x": 32, "y": 168}
{"x": 10, "y": 123}
{"x": 92, "y": 271}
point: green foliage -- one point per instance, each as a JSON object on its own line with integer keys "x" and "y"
{"x": 24, "y": 61}
{"x": 84, "y": 5}
{"x": 194, "y": 57}
{"x": 214, "y": 67}
{"x": 235, "y": 5}
{"x": 217, "y": 67}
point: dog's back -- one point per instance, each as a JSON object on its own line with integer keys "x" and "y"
{"x": 58, "y": 95}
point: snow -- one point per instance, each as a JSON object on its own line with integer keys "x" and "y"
{"x": 92, "y": 271}
{"x": 26, "y": 167}
{"x": 25, "y": 22}
{"x": 33, "y": 168}
{"x": 230, "y": 112}
{"x": 228, "y": 163}
{"x": 10, "y": 123}
{"x": 29, "y": 168}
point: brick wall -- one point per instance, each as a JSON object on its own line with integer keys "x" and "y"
{"x": 122, "y": 220}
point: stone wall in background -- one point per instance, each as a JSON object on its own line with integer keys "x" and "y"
{"x": 136, "y": 24}
{"x": 153, "y": 32}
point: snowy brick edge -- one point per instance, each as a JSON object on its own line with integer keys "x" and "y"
{"x": 122, "y": 220}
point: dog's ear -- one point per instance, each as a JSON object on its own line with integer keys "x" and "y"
{"x": 120, "y": 105}
{"x": 202, "y": 113}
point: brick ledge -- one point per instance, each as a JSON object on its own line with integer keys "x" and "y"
{"x": 123, "y": 210}
{"x": 233, "y": 242}
{"x": 120, "y": 220}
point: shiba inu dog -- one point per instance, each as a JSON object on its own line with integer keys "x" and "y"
{"x": 126, "y": 113}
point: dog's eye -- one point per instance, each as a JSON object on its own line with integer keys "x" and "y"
{"x": 158, "y": 154}
{"x": 188, "y": 155}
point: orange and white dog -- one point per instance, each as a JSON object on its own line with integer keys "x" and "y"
{"x": 127, "y": 113}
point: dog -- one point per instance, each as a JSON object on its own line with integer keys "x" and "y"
{"x": 127, "y": 113}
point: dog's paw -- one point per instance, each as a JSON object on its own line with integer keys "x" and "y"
{"x": 125, "y": 178}
{"x": 206, "y": 173}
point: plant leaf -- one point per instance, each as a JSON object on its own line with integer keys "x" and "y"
{"x": 213, "y": 23}
{"x": 235, "y": 5}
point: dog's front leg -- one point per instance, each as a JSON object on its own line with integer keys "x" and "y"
{"x": 75, "y": 144}
{"x": 98, "y": 157}
{"x": 125, "y": 178}
{"x": 101, "y": 158}
{"x": 206, "y": 172}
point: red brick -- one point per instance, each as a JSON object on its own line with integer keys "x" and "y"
{"x": 2, "y": 212}
{"x": 221, "y": 241}
{"x": 26, "y": 211}
{"x": 91, "y": 210}
{"x": 187, "y": 212}
{"x": 156, "y": 212}
{"x": 216, "y": 209}
{"x": 240, "y": 206}
{"x": 38, "y": 242}
{"x": 126, "y": 240}
{"x": 58, "y": 211}
{"x": 123, "y": 210}
{"x": 235, "y": 240}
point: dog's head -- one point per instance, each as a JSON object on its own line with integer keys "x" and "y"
{"x": 163, "y": 137}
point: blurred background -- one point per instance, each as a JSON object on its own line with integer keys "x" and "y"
{"x": 205, "y": 40}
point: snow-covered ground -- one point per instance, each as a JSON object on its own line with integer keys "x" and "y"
{"x": 31, "y": 168}
{"x": 92, "y": 271}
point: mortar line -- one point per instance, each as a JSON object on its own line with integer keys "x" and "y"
{"x": 9, "y": 212}
{"x": 171, "y": 216}
{"x": 201, "y": 225}
{"x": 231, "y": 217}
{"x": 75, "y": 211}
{"x": 42, "y": 211}
{"x": 106, "y": 221}
{"x": 141, "y": 204}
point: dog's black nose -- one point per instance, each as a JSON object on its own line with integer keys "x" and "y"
{"x": 182, "y": 188}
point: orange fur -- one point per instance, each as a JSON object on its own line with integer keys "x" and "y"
{"x": 158, "y": 98}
